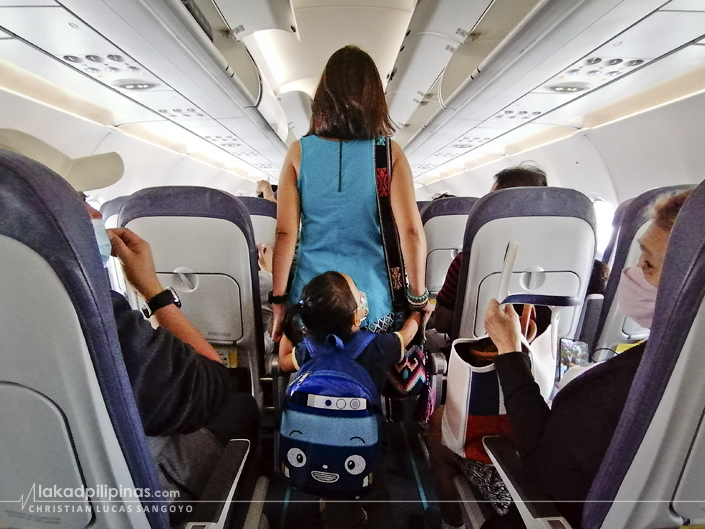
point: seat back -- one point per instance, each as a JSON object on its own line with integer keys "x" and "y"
{"x": 608, "y": 254}
{"x": 110, "y": 210}
{"x": 263, "y": 215}
{"x": 203, "y": 246}
{"x": 555, "y": 229}
{"x": 444, "y": 222}
{"x": 653, "y": 474}
{"x": 613, "y": 328}
{"x": 68, "y": 418}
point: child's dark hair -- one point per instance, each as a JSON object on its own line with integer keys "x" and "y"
{"x": 327, "y": 306}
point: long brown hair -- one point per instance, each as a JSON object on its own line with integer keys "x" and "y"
{"x": 349, "y": 103}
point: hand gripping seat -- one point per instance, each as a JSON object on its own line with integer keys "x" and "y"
{"x": 444, "y": 222}
{"x": 653, "y": 474}
{"x": 203, "y": 246}
{"x": 110, "y": 210}
{"x": 613, "y": 328}
{"x": 263, "y": 215}
{"x": 68, "y": 420}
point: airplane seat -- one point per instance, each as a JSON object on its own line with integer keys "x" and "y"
{"x": 203, "y": 246}
{"x": 555, "y": 231}
{"x": 421, "y": 204}
{"x": 444, "y": 225}
{"x": 110, "y": 210}
{"x": 612, "y": 328}
{"x": 263, "y": 214}
{"x": 608, "y": 254}
{"x": 653, "y": 473}
{"x": 68, "y": 419}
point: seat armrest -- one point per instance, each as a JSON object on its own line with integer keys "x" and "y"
{"x": 438, "y": 365}
{"x": 536, "y": 508}
{"x": 211, "y": 512}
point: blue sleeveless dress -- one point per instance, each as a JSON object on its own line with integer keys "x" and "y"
{"x": 340, "y": 223}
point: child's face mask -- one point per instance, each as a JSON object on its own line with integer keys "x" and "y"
{"x": 363, "y": 306}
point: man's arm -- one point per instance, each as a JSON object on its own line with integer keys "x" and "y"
{"x": 137, "y": 262}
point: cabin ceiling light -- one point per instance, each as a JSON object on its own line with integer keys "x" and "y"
{"x": 568, "y": 88}
{"x": 134, "y": 84}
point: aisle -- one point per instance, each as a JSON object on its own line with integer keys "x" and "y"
{"x": 408, "y": 487}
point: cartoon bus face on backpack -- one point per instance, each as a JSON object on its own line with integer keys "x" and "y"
{"x": 333, "y": 455}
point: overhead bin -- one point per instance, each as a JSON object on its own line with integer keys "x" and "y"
{"x": 245, "y": 16}
{"x": 436, "y": 30}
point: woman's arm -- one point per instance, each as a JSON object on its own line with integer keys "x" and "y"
{"x": 408, "y": 221}
{"x": 288, "y": 217}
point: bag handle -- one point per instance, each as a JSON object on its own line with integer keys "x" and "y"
{"x": 388, "y": 228}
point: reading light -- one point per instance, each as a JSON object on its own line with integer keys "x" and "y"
{"x": 568, "y": 88}
{"x": 134, "y": 84}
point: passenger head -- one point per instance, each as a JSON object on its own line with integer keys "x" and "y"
{"x": 330, "y": 304}
{"x": 654, "y": 242}
{"x": 520, "y": 176}
{"x": 638, "y": 285}
{"x": 598, "y": 278}
{"x": 349, "y": 103}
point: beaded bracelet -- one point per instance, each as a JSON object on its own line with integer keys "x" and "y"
{"x": 417, "y": 302}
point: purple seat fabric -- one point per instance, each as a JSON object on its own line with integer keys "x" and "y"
{"x": 679, "y": 298}
{"x": 41, "y": 210}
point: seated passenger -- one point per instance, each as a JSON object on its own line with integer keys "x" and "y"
{"x": 562, "y": 447}
{"x": 266, "y": 191}
{"x": 332, "y": 304}
{"x": 181, "y": 388}
{"x": 521, "y": 176}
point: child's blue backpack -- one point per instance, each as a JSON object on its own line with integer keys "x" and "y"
{"x": 329, "y": 434}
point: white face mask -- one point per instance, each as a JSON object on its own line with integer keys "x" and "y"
{"x": 103, "y": 241}
{"x": 636, "y": 296}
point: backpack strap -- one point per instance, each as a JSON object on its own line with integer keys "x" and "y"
{"x": 333, "y": 344}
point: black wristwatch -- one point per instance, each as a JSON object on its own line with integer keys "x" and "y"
{"x": 277, "y": 300}
{"x": 164, "y": 298}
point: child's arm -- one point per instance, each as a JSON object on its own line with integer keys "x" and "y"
{"x": 286, "y": 355}
{"x": 410, "y": 328}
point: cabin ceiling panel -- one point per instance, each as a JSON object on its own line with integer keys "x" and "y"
{"x": 453, "y": 129}
{"x": 4, "y": 34}
{"x": 51, "y": 125}
{"x": 188, "y": 172}
{"x": 172, "y": 105}
{"x": 194, "y": 144}
{"x": 42, "y": 65}
{"x": 14, "y": 3}
{"x": 655, "y": 73}
{"x": 563, "y": 33}
{"x": 145, "y": 164}
{"x": 655, "y": 148}
{"x": 288, "y": 64}
{"x": 684, "y": 5}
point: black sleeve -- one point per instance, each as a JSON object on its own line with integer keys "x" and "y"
{"x": 563, "y": 447}
{"x": 176, "y": 389}
{"x": 528, "y": 413}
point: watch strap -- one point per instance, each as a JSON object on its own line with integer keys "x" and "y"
{"x": 165, "y": 297}
{"x": 277, "y": 300}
